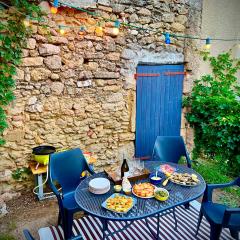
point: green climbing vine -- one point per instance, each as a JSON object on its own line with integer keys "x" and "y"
{"x": 214, "y": 112}
{"x": 13, "y": 35}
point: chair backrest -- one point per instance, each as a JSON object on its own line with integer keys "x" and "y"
{"x": 169, "y": 149}
{"x": 27, "y": 235}
{"x": 237, "y": 181}
{"x": 66, "y": 168}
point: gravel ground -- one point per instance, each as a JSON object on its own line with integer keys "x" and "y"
{"x": 26, "y": 212}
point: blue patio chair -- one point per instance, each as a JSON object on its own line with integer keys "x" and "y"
{"x": 28, "y": 236}
{"x": 170, "y": 149}
{"x": 65, "y": 168}
{"x": 218, "y": 215}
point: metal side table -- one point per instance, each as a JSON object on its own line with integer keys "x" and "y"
{"x": 38, "y": 175}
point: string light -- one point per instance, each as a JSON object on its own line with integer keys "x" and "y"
{"x": 82, "y": 29}
{"x": 208, "y": 43}
{"x": 26, "y": 21}
{"x": 99, "y": 31}
{"x": 167, "y": 38}
{"x": 115, "y": 31}
{"x": 61, "y": 30}
{"x": 117, "y": 24}
{"x": 54, "y": 8}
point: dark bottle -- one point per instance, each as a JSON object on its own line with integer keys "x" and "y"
{"x": 124, "y": 167}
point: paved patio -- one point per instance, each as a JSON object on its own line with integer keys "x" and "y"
{"x": 90, "y": 228}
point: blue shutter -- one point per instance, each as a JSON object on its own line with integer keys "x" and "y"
{"x": 159, "y": 100}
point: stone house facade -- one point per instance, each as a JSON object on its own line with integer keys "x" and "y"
{"x": 78, "y": 90}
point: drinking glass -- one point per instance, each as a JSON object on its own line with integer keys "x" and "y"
{"x": 138, "y": 166}
{"x": 141, "y": 165}
{"x": 131, "y": 166}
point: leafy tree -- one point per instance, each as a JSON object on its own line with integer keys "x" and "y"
{"x": 214, "y": 112}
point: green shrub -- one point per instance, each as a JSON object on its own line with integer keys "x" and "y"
{"x": 214, "y": 113}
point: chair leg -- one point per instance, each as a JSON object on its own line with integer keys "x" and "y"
{"x": 199, "y": 221}
{"x": 59, "y": 218}
{"x": 67, "y": 224}
{"x": 234, "y": 234}
{"x": 215, "y": 232}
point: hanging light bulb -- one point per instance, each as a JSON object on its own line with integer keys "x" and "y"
{"x": 61, "y": 30}
{"x": 208, "y": 43}
{"x": 167, "y": 38}
{"x": 82, "y": 30}
{"x": 99, "y": 31}
{"x": 115, "y": 31}
{"x": 54, "y": 8}
{"x": 117, "y": 24}
{"x": 26, "y": 21}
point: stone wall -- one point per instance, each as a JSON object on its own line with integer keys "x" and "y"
{"x": 78, "y": 90}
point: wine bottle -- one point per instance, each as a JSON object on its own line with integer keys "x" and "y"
{"x": 124, "y": 167}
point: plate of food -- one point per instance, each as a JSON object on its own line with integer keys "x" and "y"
{"x": 167, "y": 169}
{"x": 185, "y": 179}
{"x": 119, "y": 203}
{"x": 143, "y": 190}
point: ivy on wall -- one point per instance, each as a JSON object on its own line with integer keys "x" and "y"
{"x": 13, "y": 35}
{"x": 214, "y": 112}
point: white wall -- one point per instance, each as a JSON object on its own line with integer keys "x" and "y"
{"x": 220, "y": 19}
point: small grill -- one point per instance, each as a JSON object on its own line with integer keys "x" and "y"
{"x": 41, "y": 154}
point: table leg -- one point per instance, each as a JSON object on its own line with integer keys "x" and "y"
{"x": 40, "y": 189}
{"x": 155, "y": 236}
{"x": 175, "y": 219}
{"x": 158, "y": 225}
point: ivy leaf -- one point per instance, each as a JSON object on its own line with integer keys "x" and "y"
{"x": 12, "y": 38}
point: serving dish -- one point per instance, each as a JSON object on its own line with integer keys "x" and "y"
{"x": 159, "y": 196}
{"x": 153, "y": 179}
{"x": 185, "y": 179}
{"x": 143, "y": 190}
{"x": 167, "y": 169}
{"x": 119, "y": 203}
{"x": 116, "y": 178}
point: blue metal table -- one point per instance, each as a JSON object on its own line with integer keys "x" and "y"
{"x": 144, "y": 208}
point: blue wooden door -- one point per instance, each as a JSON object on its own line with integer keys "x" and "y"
{"x": 159, "y": 100}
